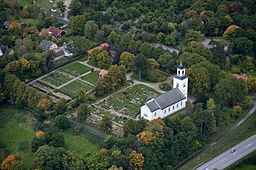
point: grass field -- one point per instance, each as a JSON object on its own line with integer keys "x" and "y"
{"x": 92, "y": 77}
{"x": 16, "y": 127}
{"x": 56, "y": 78}
{"x": 75, "y": 69}
{"x": 45, "y": 4}
{"x": 129, "y": 101}
{"x": 244, "y": 131}
{"x": 73, "y": 88}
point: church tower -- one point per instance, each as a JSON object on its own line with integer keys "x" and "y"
{"x": 180, "y": 80}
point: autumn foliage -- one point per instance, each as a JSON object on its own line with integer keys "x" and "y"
{"x": 44, "y": 104}
{"x": 157, "y": 127}
{"x": 230, "y": 30}
{"x": 103, "y": 151}
{"x": 39, "y": 134}
{"x": 146, "y": 136}
{"x": 137, "y": 160}
{"x": 9, "y": 161}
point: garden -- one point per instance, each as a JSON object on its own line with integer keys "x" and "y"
{"x": 92, "y": 77}
{"x": 73, "y": 88}
{"x": 129, "y": 101}
{"x": 56, "y": 78}
{"x": 75, "y": 69}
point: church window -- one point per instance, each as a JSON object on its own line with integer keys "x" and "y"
{"x": 164, "y": 110}
{"x": 183, "y": 72}
{"x": 177, "y": 104}
{"x": 154, "y": 113}
{"x": 173, "y": 107}
{"x": 179, "y": 72}
{"x": 169, "y": 109}
{"x": 145, "y": 114}
{"x": 177, "y": 85}
{"x": 184, "y": 85}
{"x": 181, "y": 103}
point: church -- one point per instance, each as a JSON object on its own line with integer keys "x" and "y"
{"x": 169, "y": 102}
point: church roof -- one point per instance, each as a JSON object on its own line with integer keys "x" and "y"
{"x": 165, "y": 100}
{"x": 181, "y": 77}
{"x": 181, "y": 66}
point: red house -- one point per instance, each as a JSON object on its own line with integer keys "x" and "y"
{"x": 56, "y": 32}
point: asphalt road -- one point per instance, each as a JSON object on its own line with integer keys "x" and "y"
{"x": 227, "y": 158}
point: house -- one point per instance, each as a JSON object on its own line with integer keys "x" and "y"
{"x": 102, "y": 73}
{"x": 241, "y": 76}
{"x": 6, "y": 24}
{"x": 6, "y": 50}
{"x": 169, "y": 102}
{"x": 56, "y": 32}
{"x": 48, "y": 45}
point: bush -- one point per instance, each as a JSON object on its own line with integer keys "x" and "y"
{"x": 61, "y": 122}
{"x": 155, "y": 76}
{"x": 165, "y": 86}
{"x": 247, "y": 103}
{"x": 23, "y": 146}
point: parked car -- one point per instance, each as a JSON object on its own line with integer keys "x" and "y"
{"x": 232, "y": 150}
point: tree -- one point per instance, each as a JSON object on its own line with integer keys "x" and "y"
{"x": 251, "y": 84}
{"x": 248, "y": 63}
{"x": 190, "y": 59}
{"x": 230, "y": 91}
{"x": 106, "y": 124}
{"x": 152, "y": 63}
{"x": 146, "y": 136}
{"x": 137, "y": 160}
{"x": 210, "y": 105}
{"x": 140, "y": 66}
{"x": 54, "y": 138}
{"x": 242, "y": 45}
{"x": 26, "y": 12}
{"x": 75, "y": 7}
{"x": 191, "y": 36}
{"x": 230, "y": 30}
{"x": 77, "y": 24}
{"x": 133, "y": 127}
{"x": 199, "y": 79}
{"x": 83, "y": 112}
{"x": 96, "y": 162}
{"x": 104, "y": 60}
{"x": 90, "y": 29}
{"x": 126, "y": 59}
{"x": 61, "y": 6}
{"x": 60, "y": 106}
{"x": 61, "y": 122}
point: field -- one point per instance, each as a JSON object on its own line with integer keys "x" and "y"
{"x": 75, "y": 69}
{"x": 16, "y": 128}
{"x": 56, "y": 78}
{"x": 73, "y": 88}
{"x": 129, "y": 101}
{"x": 92, "y": 77}
{"x": 245, "y": 130}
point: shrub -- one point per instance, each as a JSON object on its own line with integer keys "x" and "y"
{"x": 165, "y": 86}
{"x": 61, "y": 122}
{"x": 155, "y": 76}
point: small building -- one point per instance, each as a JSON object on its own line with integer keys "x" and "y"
{"x": 169, "y": 102}
{"x": 5, "y": 50}
{"x": 48, "y": 45}
{"x": 102, "y": 73}
{"x": 240, "y": 76}
{"x": 100, "y": 47}
{"x": 56, "y": 32}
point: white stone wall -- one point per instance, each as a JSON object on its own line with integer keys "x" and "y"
{"x": 182, "y": 85}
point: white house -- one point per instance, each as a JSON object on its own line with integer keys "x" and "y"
{"x": 169, "y": 102}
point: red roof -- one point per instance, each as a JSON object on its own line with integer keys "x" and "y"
{"x": 103, "y": 72}
{"x": 56, "y": 32}
{"x": 240, "y": 76}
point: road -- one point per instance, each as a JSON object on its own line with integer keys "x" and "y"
{"x": 227, "y": 158}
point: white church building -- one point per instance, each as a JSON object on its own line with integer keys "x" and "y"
{"x": 169, "y": 102}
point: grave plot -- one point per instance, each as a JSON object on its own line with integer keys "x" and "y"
{"x": 92, "y": 77}
{"x": 129, "y": 101}
{"x": 74, "y": 87}
{"x": 75, "y": 69}
{"x": 56, "y": 79}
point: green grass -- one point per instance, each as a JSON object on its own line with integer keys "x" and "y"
{"x": 245, "y": 130}
{"x": 25, "y": 2}
{"x": 73, "y": 88}
{"x": 153, "y": 76}
{"x": 129, "y": 101}
{"x": 45, "y": 4}
{"x": 75, "y": 69}
{"x": 92, "y": 77}
{"x": 82, "y": 142}
{"x": 56, "y": 78}
{"x": 14, "y": 129}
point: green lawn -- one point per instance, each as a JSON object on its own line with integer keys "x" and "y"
{"x": 245, "y": 130}
{"x": 14, "y": 129}
{"x": 25, "y": 2}
{"x": 129, "y": 101}
{"x": 92, "y": 77}
{"x": 83, "y": 142}
{"x": 75, "y": 69}
{"x": 73, "y": 88}
{"x": 45, "y": 4}
{"x": 56, "y": 78}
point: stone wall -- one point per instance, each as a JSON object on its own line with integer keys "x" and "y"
{"x": 117, "y": 128}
